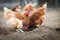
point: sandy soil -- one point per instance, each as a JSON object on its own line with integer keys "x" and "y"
{"x": 49, "y": 30}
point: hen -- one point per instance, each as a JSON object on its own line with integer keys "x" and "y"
{"x": 35, "y": 17}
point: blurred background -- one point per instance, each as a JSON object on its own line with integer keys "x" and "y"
{"x": 12, "y": 3}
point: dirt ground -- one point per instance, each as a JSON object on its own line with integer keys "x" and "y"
{"x": 49, "y": 30}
